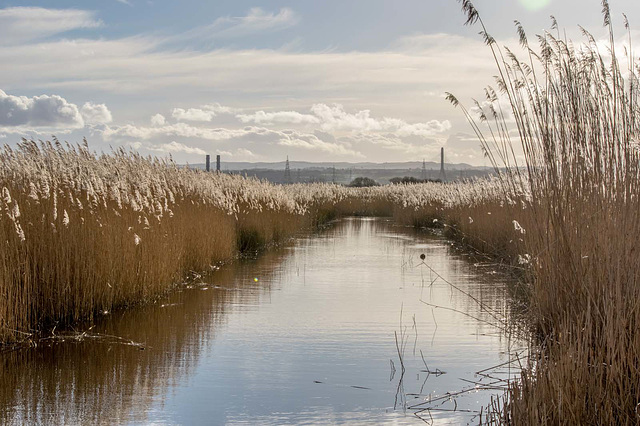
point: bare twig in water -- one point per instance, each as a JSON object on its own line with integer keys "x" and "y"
{"x": 97, "y": 337}
{"x": 463, "y": 313}
{"x": 400, "y": 388}
{"x": 482, "y": 306}
{"x": 433, "y": 314}
{"x": 415, "y": 328}
{"x": 437, "y": 372}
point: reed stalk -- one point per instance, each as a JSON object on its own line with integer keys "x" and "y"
{"x": 573, "y": 110}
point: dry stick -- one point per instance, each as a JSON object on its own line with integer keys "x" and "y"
{"x": 402, "y": 370}
{"x": 85, "y": 334}
{"x": 482, "y": 306}
{"x": 423, "y": 360}
{"x": 497, "y": 366}
{"x": 18, "y": 331}
{"x": 445, "y": 397}
{"x": 427, "y": 370}
{"x": 420, "y": 418}
{"x": 450, "y": 395}
{"x": 424, "y": 383}
{"x": 433, "y": 314}
{"x": 415, "y": 327}
{"x": 428, "y": 373}
{"x": 417, "y": 414}
{"x": 490, "y": 385}
{"x": 463, "y": 313}
{"x": 433, "y": 281}
{"x": 449, "y": 410}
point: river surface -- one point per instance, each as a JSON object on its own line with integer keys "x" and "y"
{"x": 315, "y": 332}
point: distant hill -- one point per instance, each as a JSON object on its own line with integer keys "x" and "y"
{"x": 344, "y": 173}
{"x": 303, "y": 165}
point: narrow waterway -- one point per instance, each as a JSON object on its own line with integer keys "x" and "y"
{"x": 315, "y": 332}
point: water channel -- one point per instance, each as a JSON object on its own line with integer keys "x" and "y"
{"x": 315, "y": 332}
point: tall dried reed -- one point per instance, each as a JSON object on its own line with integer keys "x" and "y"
{"x": 573, "y": 108}
{"x": 83, "y": 233}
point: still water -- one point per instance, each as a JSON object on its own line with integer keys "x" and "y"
{"x": 316, "y": 332}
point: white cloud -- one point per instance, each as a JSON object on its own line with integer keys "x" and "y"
{"x": 38, "y": 111}
{"x": 430, "y": 128}
{"x": 220, "y": 109}
{"x": 256, "y": 21}
{"x": 139, "y": 66}
{"x": 463, "y": 146}
{"x": 240, "y": 154}
{"x": 95, "y": 113}
{"x": 173, "y": 147}
{"x": 158, "y": 120}
{"x": 312, "y": 143}
{"x": 179, "y": 129}
{"x": 336, "y": 118}
{"x": 21, "y": 24}
{"x": 35, "y": 132}
{"x": 292, "y": 138}
{"x": 192, "y": 114}
{"x": 204, "y": 113}
{"x": 292, "y": 117}
{"x": 412, "y": 145}
{"x": 329, "y": 130}
{"x": 260, "y": 136}
{"x": 421, "y": 43}
{"x": 500, "y": 106}
{"x": 331, "y": 118}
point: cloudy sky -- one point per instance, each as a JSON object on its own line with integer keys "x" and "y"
{"x": 317, "y": 80}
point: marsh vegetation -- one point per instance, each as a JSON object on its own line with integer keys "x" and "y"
{"x": 572, "y": 108}
{"x": 87, "y": 233}
{"x": 84, "y": 234}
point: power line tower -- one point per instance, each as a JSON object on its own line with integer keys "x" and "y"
{"x": 287, "y": 171}
{"x": 443, "y": 175}
{"x": 423, "y": 174}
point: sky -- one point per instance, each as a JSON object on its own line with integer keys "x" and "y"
{"x": 322, "y": 80}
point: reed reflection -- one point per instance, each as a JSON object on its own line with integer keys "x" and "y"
{"x": 95, "y": 376}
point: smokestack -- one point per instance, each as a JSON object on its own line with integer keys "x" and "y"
{"x": 443, "y": 176}
{"x": 218, "y": 162}
{"x": 207, "y": 166}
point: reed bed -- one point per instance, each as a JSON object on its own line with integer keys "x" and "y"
{"x": 86, "y": 233}
{"x": 573, "y": 108}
